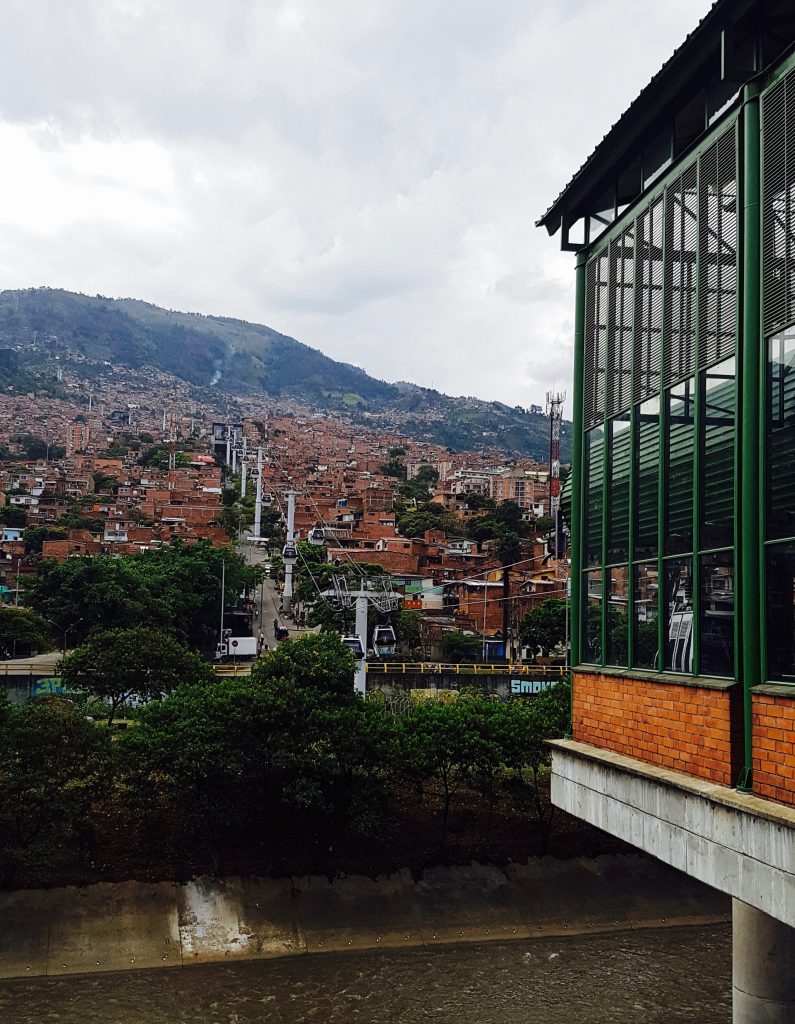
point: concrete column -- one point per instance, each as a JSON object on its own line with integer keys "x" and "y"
{"x": 763, "y": 967}
{"x": 360, "y": 676}
{"x": 287, "y": 594}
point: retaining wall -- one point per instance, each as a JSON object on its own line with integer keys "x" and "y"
{"x": 133, "y": 925}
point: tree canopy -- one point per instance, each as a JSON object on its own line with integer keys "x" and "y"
{"x": 175, "y": 588}
{"x": 143, "y": 663}
{"x": 544, "y": 627}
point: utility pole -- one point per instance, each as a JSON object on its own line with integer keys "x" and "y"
{"x": 223, "y": 598}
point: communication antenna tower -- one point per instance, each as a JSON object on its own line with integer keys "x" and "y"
{"x": 555, "y": 400}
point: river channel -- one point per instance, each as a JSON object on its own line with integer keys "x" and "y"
{"x": 670, "y": 976}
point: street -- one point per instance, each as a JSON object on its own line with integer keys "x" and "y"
{"x": 268, "y": 601}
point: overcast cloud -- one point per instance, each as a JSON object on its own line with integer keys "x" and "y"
{"x": 363, "y": 176}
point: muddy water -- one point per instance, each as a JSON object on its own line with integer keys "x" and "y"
{"x": 668, "y": 976}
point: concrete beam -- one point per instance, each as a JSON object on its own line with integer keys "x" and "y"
{"x": 736, "y": 843}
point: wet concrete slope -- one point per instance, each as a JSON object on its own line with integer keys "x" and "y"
{"x": 135, "y": 925}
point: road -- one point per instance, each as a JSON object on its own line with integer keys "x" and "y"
{"x": 268, "y": 601}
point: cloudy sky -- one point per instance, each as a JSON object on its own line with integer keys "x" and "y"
{"x": 363, "y": 175}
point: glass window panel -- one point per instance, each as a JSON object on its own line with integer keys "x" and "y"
{"x": 617, "y": 617}
{"x": 781, "y": 436}
{"x": 629, "y": 184}
{"x": 679, "y": 467}
{"x": 592, "y": 619}
{"x": 646, "y": 638}
{"x": 647, "y": 458}
{"x": 689, "y": 122}
{"x": 720, "y": 94}
{"x": 717, "y": 468}
{"x": 716, "y": 649}
{"x": 594, "y": 457}
{"x": 604, "y": 213}
{"x": 618, "y": 490}
{"x": 678, "y": 575}
{"x": 657, "y": 156}
{"x": 780, "y": 613}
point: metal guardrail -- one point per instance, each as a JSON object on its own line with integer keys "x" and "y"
{"x": 500, "y": 668}
{"x": 232, "y": 671}
{"x": 28, "y": 671}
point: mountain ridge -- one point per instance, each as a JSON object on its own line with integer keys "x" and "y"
{"x": 234, "y": 356}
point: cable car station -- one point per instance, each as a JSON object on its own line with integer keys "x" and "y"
{"x": 683, "y": 481}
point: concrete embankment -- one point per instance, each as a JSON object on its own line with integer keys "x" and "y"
{"x": 132, "y": 925}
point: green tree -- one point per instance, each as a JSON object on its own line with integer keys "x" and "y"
{"x": 456, "y": 646}
{"x": 13, "y": 515}
{"x": 158, "y": 455}
{"x": 314, "y": 661}
{"x": 509, "y": 552}
{"x": 53, "y": 764}
{"x": 413, "y": 522}
{"x": 545, "y": 625}
{"x": 527, "y": 729}
{"x": 334, "y": 745}
{"x": 104, "y": 482}
{"x": 394, "y": 468}
{"x": 121, "y": 664}
{"x": 421, "y": 485}
{"x": 483, "y": 725}
{"x": 175, "y": 588}
{"x": 22, "y": 631}
{"x": 200, "y": 755}
{"x": 479, "y": 502}
{"x": 35, "y": 536}
{"x": 408, "y": 629}
{"x": 430, "y": 745}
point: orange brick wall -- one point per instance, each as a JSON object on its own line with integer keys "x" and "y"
{"x": 688, "y": 728}
{"x": 774, "y": 747}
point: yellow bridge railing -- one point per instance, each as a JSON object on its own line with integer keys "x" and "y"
{"x": 499, "y": 668}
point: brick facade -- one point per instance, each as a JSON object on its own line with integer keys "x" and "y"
{"x": 774, "y": 747}
{"x": 690, "y": 728}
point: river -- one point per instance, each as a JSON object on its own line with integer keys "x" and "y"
{"x": 662, "y": 976}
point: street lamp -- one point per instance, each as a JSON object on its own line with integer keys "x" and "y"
{"x": 64, "y": 631}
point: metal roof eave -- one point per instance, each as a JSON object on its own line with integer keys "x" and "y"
{"x": 649, "y": 103}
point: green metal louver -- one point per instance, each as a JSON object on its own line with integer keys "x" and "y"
{"x": 622, "y": 272}
{"x": 681, "y": 224}
{"x": 596, "y": 314}
{"x": 649, "y": 298}
{"x": 718, "y": 251}
{"x": 778, "y": 214}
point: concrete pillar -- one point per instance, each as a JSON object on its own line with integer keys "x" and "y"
{"x": 763, "y": 967}
{"x": 292, "y": 538}
{"x": 360, "y": 676}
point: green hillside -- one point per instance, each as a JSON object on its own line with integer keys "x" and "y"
{"x": 239, "y": 357}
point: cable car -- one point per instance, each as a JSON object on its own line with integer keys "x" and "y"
{"x": 267, "y": 499}
{"x": 317, "y": 536}
{"x": 290, "y": 554}
{"x": 384, "y": 641}
{"x": 355, "y": 646}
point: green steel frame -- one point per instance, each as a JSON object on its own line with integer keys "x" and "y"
{"x": 748, "y": 544}
{"x": 752, "y": 390}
